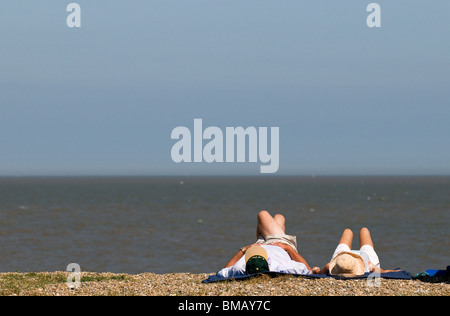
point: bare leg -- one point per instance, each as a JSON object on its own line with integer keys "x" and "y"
{"x": 365, "y": 238}
{"x": 281, "y": 221}
{"x": 268, "y": 225}
{"x": 347, "y": 238}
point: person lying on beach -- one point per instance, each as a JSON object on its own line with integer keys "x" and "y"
{"x": 273, "y": 251}
{"x": 350, "y": 263}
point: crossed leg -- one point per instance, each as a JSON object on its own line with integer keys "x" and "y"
{"x": 268, "y": 225}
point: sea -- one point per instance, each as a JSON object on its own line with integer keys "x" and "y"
{"x": 196, "y": 224}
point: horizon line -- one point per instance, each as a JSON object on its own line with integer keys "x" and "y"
{"x": 216, "y": 175}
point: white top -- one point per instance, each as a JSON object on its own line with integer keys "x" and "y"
{"x": 278, "y": 259}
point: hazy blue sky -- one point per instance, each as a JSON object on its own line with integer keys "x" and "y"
{"x": 103, "y": 99}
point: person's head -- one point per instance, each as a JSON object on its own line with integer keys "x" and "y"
{"x": 256, "y": 260}
{"x": 347, "y": 264}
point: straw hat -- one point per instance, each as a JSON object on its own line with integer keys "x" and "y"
{"x": 347, "y": 264}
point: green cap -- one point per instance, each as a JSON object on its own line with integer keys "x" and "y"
{"x": 256, "y": 264}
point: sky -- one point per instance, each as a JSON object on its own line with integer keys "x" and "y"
{"x": 104, "y": 98}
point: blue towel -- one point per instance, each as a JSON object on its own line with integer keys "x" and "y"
{"x": 431, "y": 274}
{"x": 401, "y": 275}
{"x": 439, "y": 273}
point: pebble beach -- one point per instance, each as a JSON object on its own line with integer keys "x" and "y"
{"x": 186, "y": 284}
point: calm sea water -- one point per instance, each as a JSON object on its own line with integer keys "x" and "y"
{"x": 183, "y": 224}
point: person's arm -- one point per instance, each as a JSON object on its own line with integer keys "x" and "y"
{"x": 325, "y": 269}
{"x": 375, "y": 269}
{"x": 238, "y": 256}
{"x": 292, "y": 253}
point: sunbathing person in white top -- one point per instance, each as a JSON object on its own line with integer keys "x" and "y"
{"x": 273, "y": 251}
{"x": 352, "y": 263}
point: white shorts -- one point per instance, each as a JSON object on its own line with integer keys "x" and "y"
{"x": 366, "y": 249}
